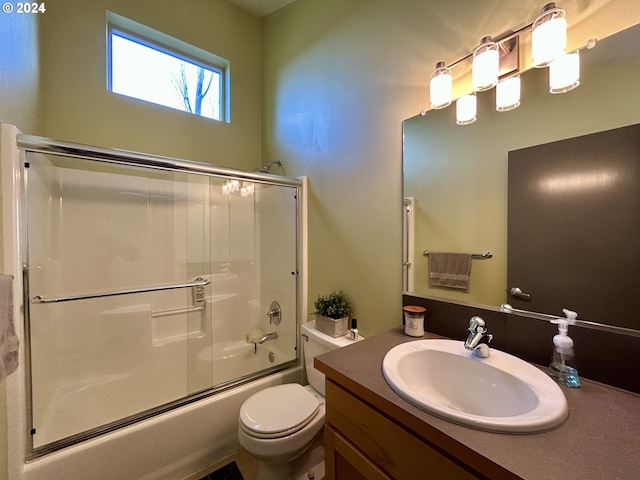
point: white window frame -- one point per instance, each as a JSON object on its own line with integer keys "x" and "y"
{"x": 146, "y": 36}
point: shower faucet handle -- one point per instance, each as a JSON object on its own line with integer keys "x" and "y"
{"x": 274, "y": 313}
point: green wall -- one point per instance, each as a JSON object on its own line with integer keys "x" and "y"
{"x": 19, "y": 71}
{"x": 19, "y": 95}
{"x": 78, "y": 107}
{"x": 340, "y": 76}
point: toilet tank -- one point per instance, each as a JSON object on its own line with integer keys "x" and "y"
{"x": 317, "y": 344}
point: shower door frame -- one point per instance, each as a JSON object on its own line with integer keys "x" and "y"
{"x": 42, "y": 145}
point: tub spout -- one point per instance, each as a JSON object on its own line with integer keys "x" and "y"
{"x": 265, "y": 338}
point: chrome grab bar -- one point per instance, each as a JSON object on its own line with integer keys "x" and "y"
{"x": 175, "y": 311}
{"x": 197, "y": 283}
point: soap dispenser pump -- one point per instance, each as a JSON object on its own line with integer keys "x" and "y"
{"x": 563, "y": 361}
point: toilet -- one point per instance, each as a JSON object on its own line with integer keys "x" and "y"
{"x": 282, "y": 426}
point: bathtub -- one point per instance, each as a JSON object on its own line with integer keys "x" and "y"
{"x": 169, "y": 446}
{"x": 236, "y": 358}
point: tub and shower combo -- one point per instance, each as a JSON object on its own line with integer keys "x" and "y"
{"x": 153, "y": 296}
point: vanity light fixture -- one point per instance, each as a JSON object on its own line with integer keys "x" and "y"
{"x": 466, "y": 108}
{"x": 497, "y": 59}
{"x": 508, "y": 94}
{"x": 440, "y": 86}
{"x": 564, "y": 73}
{"x": 486, "y": 65}
{"x": 548, "y": 35}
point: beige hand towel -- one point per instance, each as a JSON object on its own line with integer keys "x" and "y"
{"x": 450, "y": 269}
{"x": 8, "y": 339}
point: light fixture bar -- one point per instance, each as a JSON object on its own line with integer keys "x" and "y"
{"x": 498, "y": 40}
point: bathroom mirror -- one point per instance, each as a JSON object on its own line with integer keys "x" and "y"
{"x": 455, "y": 177}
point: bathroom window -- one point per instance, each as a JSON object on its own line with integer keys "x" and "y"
{"x": 148, "y": 65}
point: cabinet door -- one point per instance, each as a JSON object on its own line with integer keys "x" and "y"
{"x": 343, "y": 461}
{"x": 391, "y": 450}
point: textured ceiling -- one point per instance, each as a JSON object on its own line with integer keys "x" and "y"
{"x": 261, "y": 8}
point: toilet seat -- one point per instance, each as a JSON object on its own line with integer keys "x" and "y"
{"x": 278, "y": 411}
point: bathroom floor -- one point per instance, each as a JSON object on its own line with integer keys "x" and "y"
{"x": 247, "y": 465}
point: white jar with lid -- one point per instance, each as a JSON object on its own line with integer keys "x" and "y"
{"x": 414, "y": 320}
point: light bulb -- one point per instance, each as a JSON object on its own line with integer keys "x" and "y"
{"x": 466, "y": 107}
{"x": 564, "y": 73}
{"x": 440, "y": 86}
{"x": 508, "y": 94}
{"x": 486, "y": 65}
{"x": 548, "y": 35}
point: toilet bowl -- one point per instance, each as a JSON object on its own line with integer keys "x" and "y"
{"x": 282, "y": 426}
{"x": 278, "y": 423}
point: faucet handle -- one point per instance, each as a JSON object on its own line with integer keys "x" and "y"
{"x": 274, "y": 313}
{"x": 477, "y": 325}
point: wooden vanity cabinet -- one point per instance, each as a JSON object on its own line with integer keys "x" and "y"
{"x": 362, "y": 442}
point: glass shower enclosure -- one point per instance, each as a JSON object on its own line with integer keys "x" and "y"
{"x": 149, "y": 285}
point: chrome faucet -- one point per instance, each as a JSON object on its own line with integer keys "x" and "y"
{"x": 265, "y": 338}
{"x": 478, "y": 339}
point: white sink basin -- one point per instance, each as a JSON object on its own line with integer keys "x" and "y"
{"x": 500, "y": 393}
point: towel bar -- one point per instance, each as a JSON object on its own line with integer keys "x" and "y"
{"x": 477, "y": 256}
{"x": 198, "y": 283}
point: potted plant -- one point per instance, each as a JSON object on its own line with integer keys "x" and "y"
{"x": 332, "y": 313}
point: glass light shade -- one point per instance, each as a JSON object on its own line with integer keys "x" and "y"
{"x": 564, "y": 73}
{"x": 486, "y": 65}
{"x": 508, "y": 94}
{"x": 440, "y": 86}
{"x": 548, "y": 35}
{"x": 466, "y": 108}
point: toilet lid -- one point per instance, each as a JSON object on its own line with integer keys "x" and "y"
{"x": 279, "y": 410}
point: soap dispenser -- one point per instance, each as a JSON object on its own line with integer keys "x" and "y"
{"x": 563, "y": 362}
